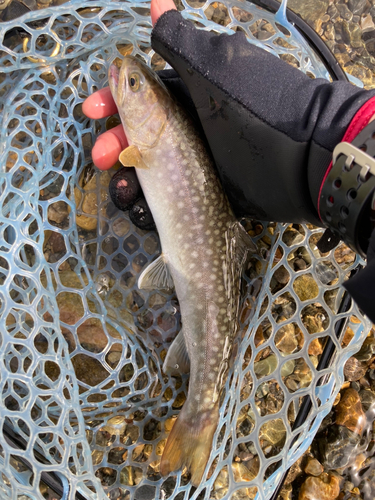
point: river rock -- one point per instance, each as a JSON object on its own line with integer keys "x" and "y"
{"x": 359, "y": 6}
{"x": 286, "y": 339}
{"x": 367, "y": 400}
{"x": 344, "y": 12}
{"x": 324, "y": 487}
{"x": 337, "y": 447}
{"x": 305, "y": 287}
{"x": 310, "y": 10}
{"x": 354, "y": 369}
{"x": 265, "y": 366}
{"x": 313, "y": 467}
{"x": 349, "y": 412}
{"x": 273, "y": 432}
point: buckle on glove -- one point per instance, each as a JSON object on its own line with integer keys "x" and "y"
{"x": 348, "y": 194}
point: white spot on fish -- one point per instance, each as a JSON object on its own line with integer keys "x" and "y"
{"x": 169, "y": 189}
{"x": 186, "y": 217}
{"x": 170, "y": 166}
{"x": 180, "y": 204}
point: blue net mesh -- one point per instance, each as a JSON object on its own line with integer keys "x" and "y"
{"x": 81, "y": 347}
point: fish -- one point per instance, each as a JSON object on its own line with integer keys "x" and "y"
{"x": 204, "y": 250}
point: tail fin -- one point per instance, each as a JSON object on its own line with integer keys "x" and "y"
{"x": 189, "y": 444}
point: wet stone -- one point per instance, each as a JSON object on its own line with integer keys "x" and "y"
{"x": 313, "y": 467}
{"x": 305, "y": 287}
{"x": 273, "y": 432}
{"x": 324, "y": 487}
{"x": 354, "y": 369}
{"x": 358, "y": 6}
{"x": 265, "y": 366}
{"x": 367, "y": 400}
{"x": 282, "y": 275}
{"x": 344, "y": 12}
{"x": 367, "y": 351}
{"x": 349, "y": 412}
{"x": 337, "y": 447}
{"x": 286, "y": 339}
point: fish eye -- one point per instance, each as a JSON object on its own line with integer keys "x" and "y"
{"x": 134, "y": 82}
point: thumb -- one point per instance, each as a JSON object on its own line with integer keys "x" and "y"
{"x": 158, "y": 7}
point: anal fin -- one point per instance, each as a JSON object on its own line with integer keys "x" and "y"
{"x": 177, "y": 358}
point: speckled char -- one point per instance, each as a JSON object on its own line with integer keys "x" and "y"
{"x": 203, "y": 249}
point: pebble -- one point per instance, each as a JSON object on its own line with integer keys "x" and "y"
{"x": 265, "y": 366}
{"x": 354, "y": 369}
{"x": 140, "y": 215}
{"x": 124, "y": 188}
{"x": 313, "y": 467}
{"x": 344, "y": 12}
{"x": 305, "y": 287}
{"x": 349, "y": 412}
{"x": 338, "y": 446}
{"x": 324, "y": 487}
{"x": 273, "y": 432}
{"x": 358, "y": 6}
{"x": 367, "y": 399}
{"x": 286, "y": 339}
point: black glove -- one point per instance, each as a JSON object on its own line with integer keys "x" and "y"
{"x": 271, "y": 129}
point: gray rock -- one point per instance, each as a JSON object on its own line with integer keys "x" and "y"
{"x": 367, "y": 400}
{"x": 338, "y": 447}
{"x": 358, "y": 6}
{"x": 344, "y": 12}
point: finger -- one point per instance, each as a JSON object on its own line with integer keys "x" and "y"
{"x": 99, "y": 104}
{"x": 108, "y": 147}
{"x": 158, "y": 7}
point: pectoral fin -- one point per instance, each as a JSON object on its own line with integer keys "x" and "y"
{"x": 177, "y": 358}
{"x": 156, "y": 275}
{"x": 131, "y": 157}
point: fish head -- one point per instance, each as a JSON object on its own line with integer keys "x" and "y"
{"x": 142, "y": 100}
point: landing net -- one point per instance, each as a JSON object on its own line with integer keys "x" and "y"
{"x": 81, "y": 348}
